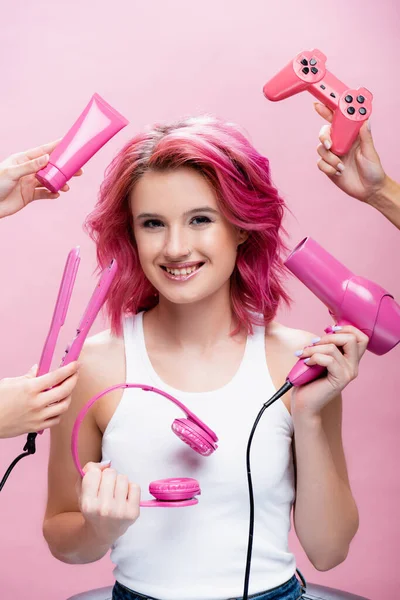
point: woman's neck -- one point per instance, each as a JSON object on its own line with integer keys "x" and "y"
{"x": 195, "y": 325}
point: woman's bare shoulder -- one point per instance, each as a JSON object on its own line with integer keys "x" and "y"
{"x": 102, "y": 360}
{"x": 102, "y": 346}
{"x": 281, "y": 343}
{"x": 288, "y": 338}
{"x": 104, "y": 341}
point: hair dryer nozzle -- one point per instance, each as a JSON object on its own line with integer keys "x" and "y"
{"x": 386, "y": 334}
{"x": 351, "y": 299}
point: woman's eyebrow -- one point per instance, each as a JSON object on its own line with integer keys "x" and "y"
{"x": 149, "y": 216}
{"x": 186, "y": 214}
{"x": 200, "y": 209}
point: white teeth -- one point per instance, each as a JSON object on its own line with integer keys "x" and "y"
{"x": 185, "y": 271}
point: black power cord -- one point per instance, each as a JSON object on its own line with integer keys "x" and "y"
{"x": 285, "y": 388}
{"x": 30, "y": 448}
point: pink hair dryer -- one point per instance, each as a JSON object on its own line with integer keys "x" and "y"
{"x": 350, "y": 299}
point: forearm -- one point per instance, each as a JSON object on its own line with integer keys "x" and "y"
{"x": 387, "y": 201}
{"x": 325, "y": 515}
{"x": 72, "y": 540}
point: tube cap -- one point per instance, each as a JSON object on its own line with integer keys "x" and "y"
{"x": 51, "y": 177}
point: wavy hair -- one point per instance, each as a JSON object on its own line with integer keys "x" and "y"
{"x": 246, "y": 196}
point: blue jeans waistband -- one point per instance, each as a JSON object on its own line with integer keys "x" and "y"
{"x": 290, "y": 590}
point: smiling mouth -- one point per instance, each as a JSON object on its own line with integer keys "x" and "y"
{"x": 182, "y": 272}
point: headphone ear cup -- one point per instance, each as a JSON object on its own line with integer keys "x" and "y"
{"x": 175, "y": 489}
{"x": 194, "y": 436}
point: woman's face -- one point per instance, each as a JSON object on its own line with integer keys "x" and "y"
{"x": 187, "y": 249}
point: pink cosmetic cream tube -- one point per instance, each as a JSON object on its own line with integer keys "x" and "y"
{"x": 97, "y": 124}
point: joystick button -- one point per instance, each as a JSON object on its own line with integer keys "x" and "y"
{"x": 348, "y": 98}
{"x": 306, "y": 70}
{"x": 304, "y": 62}
{"x": 313, "y": 62}
{"x": 362, "y": 110}
{"x": 360, "y": 99}
{"x": 314, "y": 70}
{"x": 351, "y": 110}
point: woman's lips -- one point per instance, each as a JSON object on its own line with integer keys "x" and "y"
{"x": 184, "y": 272}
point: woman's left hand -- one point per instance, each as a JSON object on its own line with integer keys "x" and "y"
{"x": 340, "y": 351}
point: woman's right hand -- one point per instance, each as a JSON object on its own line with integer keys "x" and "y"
{"x": 108, "y": 501}
{"x": 29, "y": 403}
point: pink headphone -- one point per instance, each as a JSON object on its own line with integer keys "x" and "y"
{"x": 173, "y": 492}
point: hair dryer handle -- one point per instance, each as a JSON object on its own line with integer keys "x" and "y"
{"x": 301, "y": 373}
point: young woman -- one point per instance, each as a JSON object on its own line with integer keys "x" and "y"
{"x": 192, "y": 217}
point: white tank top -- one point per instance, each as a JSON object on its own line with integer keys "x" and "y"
{"x": 199, "y": 552}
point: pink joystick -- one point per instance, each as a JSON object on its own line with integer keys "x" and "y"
{"x": 308, "y": 72}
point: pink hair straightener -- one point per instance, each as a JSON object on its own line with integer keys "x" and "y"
{"x": 60, "y": 312}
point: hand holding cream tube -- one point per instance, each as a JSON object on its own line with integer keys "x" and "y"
{"x": 97, "y": 124}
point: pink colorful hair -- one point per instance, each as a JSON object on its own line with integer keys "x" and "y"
{"x": 247, "y": 198}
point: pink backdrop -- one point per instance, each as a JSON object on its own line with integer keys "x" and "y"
{"x": 160, "y": 60}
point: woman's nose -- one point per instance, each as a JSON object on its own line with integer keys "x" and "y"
{"x": 176, "y": 245}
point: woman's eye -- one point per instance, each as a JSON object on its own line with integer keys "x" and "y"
{"x": 152, "y": 224}
{"x": 200, "y": 220}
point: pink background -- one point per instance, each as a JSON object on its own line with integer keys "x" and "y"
{"x": 157, "y": 61}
